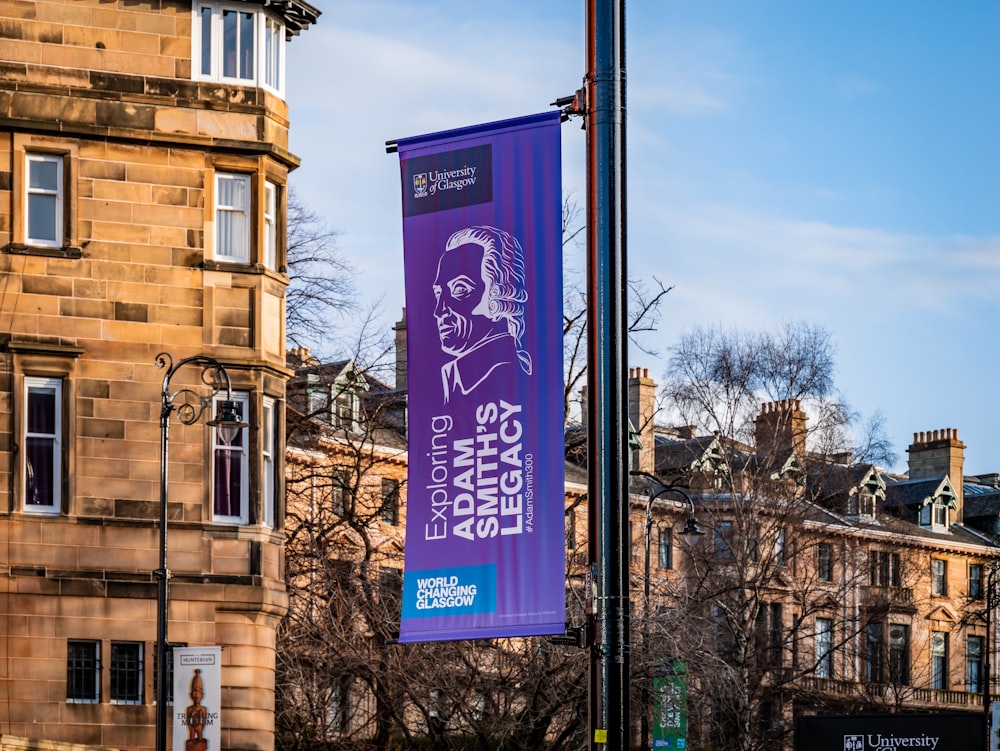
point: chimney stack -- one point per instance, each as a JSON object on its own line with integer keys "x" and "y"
{"x": 400, "y": 329}
{"x": 780, "y": 430}
{"x": 641, "y": 410}
{"x": 939, "y": 452}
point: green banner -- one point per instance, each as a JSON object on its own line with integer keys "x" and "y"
{"x": 670, "y": 706}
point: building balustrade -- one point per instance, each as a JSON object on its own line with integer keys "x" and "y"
{"x": 887, "y": 597}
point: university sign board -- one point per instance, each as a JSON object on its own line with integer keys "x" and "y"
{"x": 947, "y": 731}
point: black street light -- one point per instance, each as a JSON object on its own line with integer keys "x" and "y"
{"x": 691, "y": 529}
{"x": 992, "y": 600}
{"x": 189, "y": 406}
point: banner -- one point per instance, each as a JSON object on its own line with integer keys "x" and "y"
{"x": 670, "y": 706}
{"x": 482, "y": 239}
{"x": 197, "y": 698}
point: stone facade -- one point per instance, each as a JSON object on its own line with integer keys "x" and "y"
{"x": 122, "y": 259}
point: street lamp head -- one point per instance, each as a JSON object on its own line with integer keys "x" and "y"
{"x": 691, "y": 528}
{"x": 227, "y": 421}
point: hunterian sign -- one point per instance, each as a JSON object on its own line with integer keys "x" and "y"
{"x": 953, "y": 731}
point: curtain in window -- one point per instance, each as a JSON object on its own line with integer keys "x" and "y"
{"x": 232, "y": 217}
{"x": 228, "y": 472}
{"x": 41, "y": 447}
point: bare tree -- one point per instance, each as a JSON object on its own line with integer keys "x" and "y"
{"x": 759, "y": 609}
{"x": 321, "y": 284}
{"x": 643, "y": 313}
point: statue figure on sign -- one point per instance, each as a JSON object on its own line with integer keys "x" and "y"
{"x": 196, "y": 716}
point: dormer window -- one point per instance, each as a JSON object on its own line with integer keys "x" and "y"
{"x": 863, "y": 500}
{"x": 934, "y": 513}
{"x": 238, "y": 43}
{"x": 337, "y": 402}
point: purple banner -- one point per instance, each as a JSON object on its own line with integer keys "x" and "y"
{"x": 482, "y": 237}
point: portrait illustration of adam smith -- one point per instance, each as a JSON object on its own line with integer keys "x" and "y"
{"x": 479, "y": 310}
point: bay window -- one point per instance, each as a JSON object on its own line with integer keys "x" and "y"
{"x": 238, "y": 43}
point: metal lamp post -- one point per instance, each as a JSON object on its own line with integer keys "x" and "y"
{"x": 991, "y": 602}
{"x": 189, "y": 406}
{"x": 690, "y": 529}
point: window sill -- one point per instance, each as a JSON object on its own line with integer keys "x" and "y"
{"x": 67, "y": 251}
{"x": 234, "y": 267}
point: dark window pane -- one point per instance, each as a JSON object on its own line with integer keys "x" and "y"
{"x": 126, "y": 672}
{"x": 246, "y": 46}
{"x": 206, "y": 41}
{"x": 82, "y": 671}
{"x": 44, "y": 175}
{"x": 228, "y": 474}
{"x": 40, "y": 471}
{"x": 42, "y": 217}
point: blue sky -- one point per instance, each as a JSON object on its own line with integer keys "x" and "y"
{"x": 834, "y": 163}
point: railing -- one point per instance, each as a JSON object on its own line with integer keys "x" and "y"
{"x": 907, "y": 694}
{"x": 873, "y": 596}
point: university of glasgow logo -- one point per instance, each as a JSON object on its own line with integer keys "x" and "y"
{"x": 854, "y": 743}
{"x": 420, "y": 185}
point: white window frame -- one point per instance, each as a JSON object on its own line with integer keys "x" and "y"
{"x": 35, "y": 384}
{"x": 241, "y": 450}
{"x": 270, "y": 258}
{"x": 235, "y": 249}
{"x": 974, "y": 664}
{"x": 35, "y": 193}
{"x": 824, "y": 648}
{"x": 269, "y": 432}
{"x": 939, "y": 577}
{"x": 267, "y": 57}
{"x": 939, "y": 660}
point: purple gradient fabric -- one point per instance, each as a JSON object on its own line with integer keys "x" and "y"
{"x": 485, "y": 552}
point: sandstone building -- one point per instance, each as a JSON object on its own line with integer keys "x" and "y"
{"x": 143, "y": 170}
{"x": 820, "y": 584}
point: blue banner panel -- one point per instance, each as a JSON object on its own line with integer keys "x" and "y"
{"x": 482, "y": 242}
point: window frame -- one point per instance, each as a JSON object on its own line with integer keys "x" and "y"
{"x": 974, "y": 664}
{"x": 59, "y": 194}
{"x": 823, "y": 647}
{"x": 269, "y": 465}
{"x": 390, "y": 501}
{"x": 262, "y": 65}
{"x": 875, "y": 653}
{"x": 939, "y": 577}
{"x": 884, "y": 568}
{"x": 219, "y": 210}
{"x": 665, "y": 548}
{"x": 269, "y": 254}
{"x": 781, "y": 546}
{"x": 976, "y": 582}
{"x": 241, "y": 448}
{"x": 38, "y": 384}
{"x": 899, "y": 655}
{"x": 824, "y": 562}
{"x": 722, "y": 540}
{"x": 939, "y": 660}
{"x": 126, "y": 675}
{"x": 87, "y": 670}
